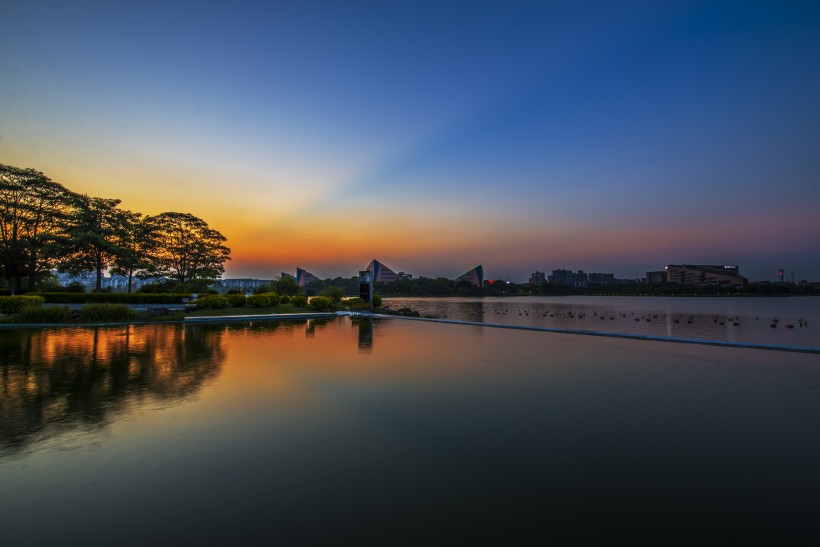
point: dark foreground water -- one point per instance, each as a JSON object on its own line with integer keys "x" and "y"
{"x": 401, "y": 432}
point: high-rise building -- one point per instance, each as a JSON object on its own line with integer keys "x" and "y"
{"x": 536, "y": 278}
{"x": 569, "y": 278}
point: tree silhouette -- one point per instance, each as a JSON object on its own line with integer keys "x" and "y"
{"x": 94, "y": 238}
{"x": 34, "y": 214}
{"x": 186, "y": 248}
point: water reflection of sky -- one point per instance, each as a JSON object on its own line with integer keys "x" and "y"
{"x": 339, "y": 431}
{"x": 725, "y": 319}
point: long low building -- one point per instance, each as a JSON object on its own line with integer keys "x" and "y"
{"x": 704, "y": 274}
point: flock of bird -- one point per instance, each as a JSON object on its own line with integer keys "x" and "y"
{"x": 648, "y": 317}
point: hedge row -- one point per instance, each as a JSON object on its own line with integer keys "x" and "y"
{"x": 51, "y": 314}
{"x": 264, "y": 300}
{"x": 61, "y": 314}
{"x": 212, "y": 302}
{"x": 106, "y": 312}
{"x": 15, "y": 304}
{"x": 111, "y": 298}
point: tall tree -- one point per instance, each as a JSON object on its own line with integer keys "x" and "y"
{"x": 96, "y": 233}
{"x": 137, "y": 243}
{"x": 187, "y": 248}
{"x": 34, "y": 213}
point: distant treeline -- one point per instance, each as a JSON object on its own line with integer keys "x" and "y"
{"x": 45, "y": 226}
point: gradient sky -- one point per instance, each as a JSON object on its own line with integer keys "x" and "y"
{"x": 604, "y": 136}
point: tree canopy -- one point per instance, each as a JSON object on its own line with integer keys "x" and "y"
{"x": 34, "y": 223}
{"x": 43, "y": 226}
{"x": 186, "y": 248}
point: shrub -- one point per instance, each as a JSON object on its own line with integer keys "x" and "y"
{"x": 258, "y": 301}
{"x": 15, "y": 304}
{"x": 299, "y": 301}
{"x": 334, "y": 293}
{"x": 106, "y": 312}
{"x": 265, "y": 300}
{"x": 321, "y": 303}
{"x": 284, "y": 299}
{"x": 377, "y": 300}
{"x": 356, "y": 303}
{"x": 233, "y": 291}
{"x": 37, "y": 314}
{"x": 212, "y": 301}
{"x": 236, "y": 300}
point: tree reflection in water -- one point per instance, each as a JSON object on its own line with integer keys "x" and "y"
{"x": 54, "y": 380}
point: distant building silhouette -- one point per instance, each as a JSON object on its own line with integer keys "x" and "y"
{"x": 656, "y": 277}
{"x": 536, "y": 278}
{"x": 243, "y": 284}
{"x": 304, "y": 277}
{"x": 117, "y": 283}
{"x": 473, "y": 275}
{"x": 381, "y": 272}
{"x": 704, "y": 274}
{"x": 602, "y": 278}
{"x": 569, "y": 278}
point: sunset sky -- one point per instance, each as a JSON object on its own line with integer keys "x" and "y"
{"x": 604, "y": 136}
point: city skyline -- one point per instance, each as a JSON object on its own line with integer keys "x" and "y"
{"x": 527, "y": 136}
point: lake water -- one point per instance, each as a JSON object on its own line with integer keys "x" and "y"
{"x": 725, "y": 319}
{"x": 391, "y": 432}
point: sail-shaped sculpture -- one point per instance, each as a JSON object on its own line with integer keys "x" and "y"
{"x": 381, "y": 272}
{"x": 474, "y": 276}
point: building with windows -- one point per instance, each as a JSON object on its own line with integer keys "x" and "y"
{"x": 602, "y": 278}
{"x": 536, "y": 278}
{"x": 116, "y": 283}
{"x": 243, "y": 284}
{"x": 704, "y": 274}
{"x": 656, "y": 277}
{"x": 569, "y": 278}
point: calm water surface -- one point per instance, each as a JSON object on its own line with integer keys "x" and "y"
{"x": 727, "y": 319}
{"x": 394, "y": 432}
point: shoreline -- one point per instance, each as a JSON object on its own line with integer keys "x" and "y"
{"x": 184, "y": 321}
{"x": 338, "y": 314}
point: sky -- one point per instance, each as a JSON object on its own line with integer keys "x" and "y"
{"x": 605, "y": 136}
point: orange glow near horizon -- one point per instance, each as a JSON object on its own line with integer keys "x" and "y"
{"x": 270, "y": 231}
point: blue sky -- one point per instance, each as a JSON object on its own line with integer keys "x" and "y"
{"x": 604, "y": 136}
